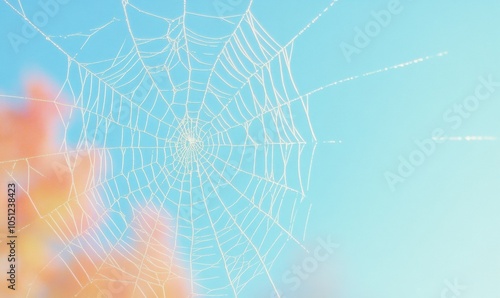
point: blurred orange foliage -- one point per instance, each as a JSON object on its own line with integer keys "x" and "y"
{"x": 55, "y": 196}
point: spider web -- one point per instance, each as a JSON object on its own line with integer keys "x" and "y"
{"x": 201, "y": 148}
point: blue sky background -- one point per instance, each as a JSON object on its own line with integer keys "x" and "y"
{"x": 442, "y": 222}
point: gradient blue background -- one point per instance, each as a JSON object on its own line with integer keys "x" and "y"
{"x": 442, "y": 223}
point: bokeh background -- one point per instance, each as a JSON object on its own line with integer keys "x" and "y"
{"x": 438, "y": 227}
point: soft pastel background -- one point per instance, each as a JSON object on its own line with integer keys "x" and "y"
{"x": 440, "y": 225}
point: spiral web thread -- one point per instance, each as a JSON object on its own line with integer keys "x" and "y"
{"x": 201, "y": 146}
